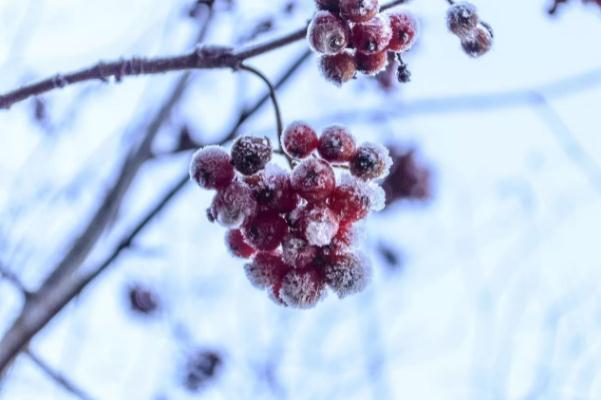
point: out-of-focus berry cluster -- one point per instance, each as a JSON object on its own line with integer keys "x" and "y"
{"x": 476, "y": 36}
{"x": 557, "y": 3}
{"x": 298, "y": 227}
{"x": 353, "y": 36}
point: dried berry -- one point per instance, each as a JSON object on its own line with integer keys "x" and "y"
{"x": 265, "y": 231}
{"x": 370, "y": 162}
{"x": 299, "y": 139}
{"x": 336, "y": 144}
{"x": 327, "y": 33}
{"x": 238, "y": 245}
{"x": 142, "y": 300}
{"x": 372, "y": 36}
{"x": 359, "y": 10}
{"x": 347, "y": 274}
{"x": 313, "y": 179}
{"x": 211, "y": 168}
{"x": 201, "y": 367}
{"x": 462, "y": 18}
{"x": 479, "y": 41}
{"x": 338, "y": 68}
{"x": 371, "y": 64}
{"x": 302, "y": 288}
{"x": 404, "y": 30}
{"x": 251, "y": 154}
{"x": 234, "y": 204}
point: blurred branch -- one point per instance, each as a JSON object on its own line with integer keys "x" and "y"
{"x": 14, "y": 280}
{"x": 57, "y": 377}
{"x": 204, "y": 57}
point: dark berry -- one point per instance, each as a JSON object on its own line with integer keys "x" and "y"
{"x": 408, "y": 178}
{"x": 299, "y": 139}
{"x": 142, "y": 300}
{"x": 347, "y": 274}
{"x": 403, "y": 74}
{"x": 338, "y": 68}
{"x": 238, "y": 245}
{"x": 330, "y": 5}
{"x": 336, "y": 144}
{"x": 462, "y": 18}
{"x": 404, "y": 30}
{"x": 359, "y": 10}
{"x": 265, "y": 269}
{"x": 318, "y": 224}
{"x": 297, "y": 251}
{"x": 327, "y": 33}
{"x": 233, "y": 205}
{"x": 250, "y": 154}
{"x": 265, "y": 231}
{"x": 478, "y": 42}
{"x": 371, "y": 64}
{"x": 313, "y": 179}
{"x": 201, "y": 367}
{"x": 273, "y": 190}
{"x": 372, "y": 36}
{"x": 211, "y": 168}
{"x": 370, "y": 162}
{"x": 302, "y": 288}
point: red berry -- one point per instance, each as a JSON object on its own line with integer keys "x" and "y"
{"x": 372, "y": 36}
{"x": 479, "y": 41}
{"x": 299, "y": 139}
{"x": 347, "y": 274}
{"x": 359, "y": 10}
{"x": 350, "y": 202}
{"x": 251, "y": 154}
{"x": 211, "y": 168}
{"x": 313, "y": 179}
{"x": 297, "y": 252}
{"x": 237, "y": 245}
{"x": 265, "y": 269}
{"x": 233, "y": 205}
{"x": 371, "y": 64}
{"x": 265, "y": 231}
{"x": 327, "y": 33}
{"x": 338, "y": 68}
{"x": 336, "y": 144}
{"x": 370, "y": 162}
{"x": 404, "y": 29}
{"x": 462, "y": 18}
{"x": 331, "y": 5}
{"x": 273, "y": 190}
{"x": 302, "y": 288}
{"x": 318, "y": 224}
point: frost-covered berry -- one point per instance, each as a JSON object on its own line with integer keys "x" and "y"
{"x": 250, "y": 154}
{"x": 238, "y": 245}
{"x": 372, "y": 36}
{"x": 330, "y": 5}
{"x": 210, "y": 167}
{"x": 313, "y": 179}
{"x": 297, "y": 252}
{"x": 404, "y": 30}
{"x": 299, "y": 139}
{"x": 319, "y": 224}
{"x": 479, "y": 41}
{"x": 232, "y": 205}
{"x": 371, "y": 161}
{"x": 359, "y": 10}
{"x": 351, "y": 201}
{"x": 273, "y": 190}
{"x": 327, "y": 33}
{"x": 347, "y": 274}
{"x": 462, "y": 18}
{"x": 302, "y": 288}
{"x": 265, "y": 231}
{"x": 338, "y": 68}
{"x": 265, "y": 269}
{"x": 336, "y": 144}
{"x": 371, "y": 64}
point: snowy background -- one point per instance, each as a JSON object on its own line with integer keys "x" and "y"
{"x": 495, "y": 294}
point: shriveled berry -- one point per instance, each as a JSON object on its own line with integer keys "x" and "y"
{"x": 462, "y": 18}
{"x": 347, "y": 274}
{"x": 142, "y": 299}
{"x": 233, "y": 205}
{"x": 327, "y": 33}
{"x": 479, "y": 41}
{"x": 313, "y": 179}
{"x": 372, "y": 36}
{"x": 210, "y": 167}
{"x": 359, "y": 10}
{"x": 273, "y": 190}
{"x": 338, "y": 68}
{"x": 371, "y": 161}
{"x": 404, "y": 30}
{"x": 336, "y": 144}
{"x": 371, "y": 64}
{"x": 319, "y": 224}
{"x": 265, "y": 269}
{"x": 330, "y": 5}
{"x": 299, "y": 139}
{"x": 302, "y": 288}
{"x": 250, "y": 154}
{"x": 265, "y": 231}
{"x": 238, "y": 245}
{"x": 350, "y": 202}
{"x": 297, "y": 251}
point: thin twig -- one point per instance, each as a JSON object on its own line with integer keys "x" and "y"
{"x": 14, "y": 280}
{"x": 57, "y": 377}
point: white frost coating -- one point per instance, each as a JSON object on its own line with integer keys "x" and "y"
{"x": 302, "y": 289}
{"x": 377, "y": 196}
{"x": 208, "y": 158}
{"x": 327, "y": 34}
{"x": 320, "y": 226}
{"x": 234, "y": 204}
{"x": 257, "y": 276}
{"x": 349, "y": 275}
{"x": 373, "y": 191}
{"x": 383, "y": 154}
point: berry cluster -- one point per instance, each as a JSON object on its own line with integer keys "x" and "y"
{"x": 476, "y": 36}
{"x": 299, "y": 227}
{"x": 353, "y": 36}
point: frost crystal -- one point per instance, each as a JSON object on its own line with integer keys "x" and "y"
{"x": 320, "y": 225}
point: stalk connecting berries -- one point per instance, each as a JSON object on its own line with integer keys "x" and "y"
{"x": 353, "y": 36}
{"x": 476, "y": 36}
{"x": 298, "y": 227}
